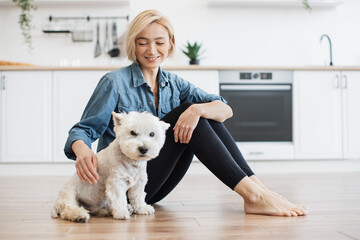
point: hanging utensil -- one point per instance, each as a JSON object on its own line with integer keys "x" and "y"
{"x": 97, "y": 47}
{"x": 106, "y": 43}
{"x": 115, "y": 51}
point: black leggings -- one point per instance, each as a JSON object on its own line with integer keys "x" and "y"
{"x": 213, "y": 146}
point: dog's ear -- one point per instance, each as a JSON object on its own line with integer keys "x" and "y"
{"x": 164, "y": 125}
{"x": 118, "y": 118}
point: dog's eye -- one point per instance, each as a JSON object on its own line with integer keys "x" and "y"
{"x": 152, "y": 134}
{"x": 133, "y": 133}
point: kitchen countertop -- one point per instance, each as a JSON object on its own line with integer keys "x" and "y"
{"x": 94, "y": 68}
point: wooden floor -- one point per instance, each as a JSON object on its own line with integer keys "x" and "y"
{"x": 199, "y": 208}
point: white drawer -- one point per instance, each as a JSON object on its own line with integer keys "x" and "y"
{"x": 267, "y": 150}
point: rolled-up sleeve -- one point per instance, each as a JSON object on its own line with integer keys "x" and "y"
{"x": 96, "y": 117}
{"x": 190, "y": 93}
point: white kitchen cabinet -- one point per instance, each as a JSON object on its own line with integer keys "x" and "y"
{"x": 26, "y": 116}
{"x": 351, "y": 113}
{"x": 207, "y": 80}
{"x": 1, "y": 88}
{"x": 72, "y": 91}
{"x": 326, "y": 108}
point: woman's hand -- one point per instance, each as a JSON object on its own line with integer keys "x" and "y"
{"x": 186, "y": 124}
{"x": 86, "y": 162}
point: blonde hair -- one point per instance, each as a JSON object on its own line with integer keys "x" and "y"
{"x": 140, "y": 22}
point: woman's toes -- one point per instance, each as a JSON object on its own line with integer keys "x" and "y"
{"x": 293, "y": 213}
{"x": 300, "y": 213}
{"x": 287, "y": 214}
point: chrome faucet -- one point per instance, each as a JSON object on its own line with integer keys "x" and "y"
{"x": 325, "y": 35}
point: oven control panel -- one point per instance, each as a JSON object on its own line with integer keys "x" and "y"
{"x": 255, "y": 75}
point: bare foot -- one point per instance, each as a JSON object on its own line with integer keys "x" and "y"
{"x": 260, "y": 201}
{"x": 259, "y": 183}
{"x": 269, "y": 204}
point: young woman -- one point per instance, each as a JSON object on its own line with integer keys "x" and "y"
{"x": 195, "y": 117}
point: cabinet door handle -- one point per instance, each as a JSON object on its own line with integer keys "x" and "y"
{"x": 337, "y": 81}
{"x": 344, "y": 82}
{"x": 256, "y": 153}
{"x": 3, "y": 82}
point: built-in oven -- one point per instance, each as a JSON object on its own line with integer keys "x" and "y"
{"x": 262, "y": 105}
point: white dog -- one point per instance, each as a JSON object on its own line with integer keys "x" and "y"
{"x": 121, "y": 168}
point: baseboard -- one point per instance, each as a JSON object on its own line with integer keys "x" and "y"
{"x": 292, "y": 166}
{"x": 260, "y": 167}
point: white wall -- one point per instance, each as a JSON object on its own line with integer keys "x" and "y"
{"x": 231, "y": 35}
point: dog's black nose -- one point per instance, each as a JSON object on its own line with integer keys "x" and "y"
{"x": 143, "y": 150}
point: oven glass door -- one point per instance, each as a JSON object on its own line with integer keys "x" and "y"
{"x": 261, "y": 112}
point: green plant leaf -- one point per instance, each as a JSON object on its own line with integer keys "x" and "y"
{"x": 26, "y": 6}
{"x": 193, "y": 50}
{"x": 307, "y": 5}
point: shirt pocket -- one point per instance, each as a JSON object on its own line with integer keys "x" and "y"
{"x": 129, "y": 102}
{"x": 127, "y": 109}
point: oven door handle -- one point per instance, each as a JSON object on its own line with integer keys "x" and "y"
{"x": 255, "y": 87}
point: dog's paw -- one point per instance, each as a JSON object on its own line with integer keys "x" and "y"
{"x": 130, "y": 209}
{"x": 76, "y": 215}
{"x": 121, "y": 214}
{"x": 82, "y": 219}
{"x": 144, "y": 210}
{"x": 54, "y": 213}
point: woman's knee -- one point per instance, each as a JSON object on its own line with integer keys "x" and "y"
{"x": 184, "y": 106}
{"x": 203, "y": 123}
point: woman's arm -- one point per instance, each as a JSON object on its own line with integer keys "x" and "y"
{"x": 92, "y": 125}
{"x": 188, "y": 120}
{"x": 215, "y": 110}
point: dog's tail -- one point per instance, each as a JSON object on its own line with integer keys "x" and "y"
{"x": 67, "y": 207}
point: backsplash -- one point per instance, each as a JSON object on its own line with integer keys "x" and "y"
{"x": 231, "y": 35}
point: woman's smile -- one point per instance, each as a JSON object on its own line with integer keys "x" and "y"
{"x": 152, "y": 59}
{"x": 152, "y": 46}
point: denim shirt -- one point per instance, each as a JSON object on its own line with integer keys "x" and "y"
{"x": 126, "y": 90}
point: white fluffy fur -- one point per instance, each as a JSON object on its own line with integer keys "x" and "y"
{"x": 121, "y": 168}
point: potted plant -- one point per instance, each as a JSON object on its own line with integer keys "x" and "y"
{"x": 25, "y": 19}
{"x": 306, "y": 5}
{"x": 193, "y": 52}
